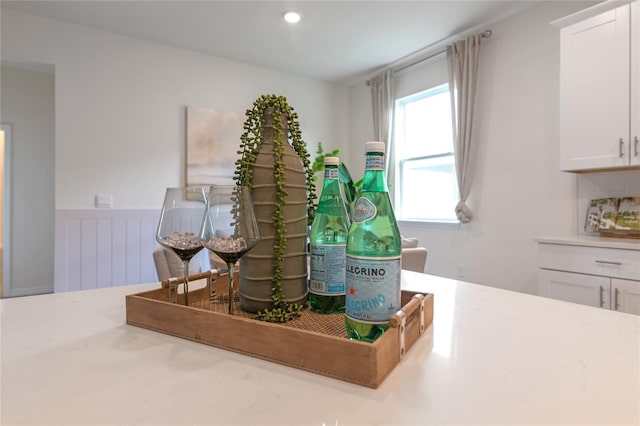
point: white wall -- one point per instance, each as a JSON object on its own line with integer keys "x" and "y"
{"x": 518, "y": 193}
{"x": 28, "y": 106}
{"x": 2, "y": 148}
{"x": 120, "y": 106}
{"x": 120, "y": 112}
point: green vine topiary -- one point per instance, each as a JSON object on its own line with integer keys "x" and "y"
{"x": 249, "y": 142}
{"x": 349, "y": 187}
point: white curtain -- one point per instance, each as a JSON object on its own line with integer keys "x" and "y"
{"x": 382, "y": 106}
{"x": 462, "y": 63}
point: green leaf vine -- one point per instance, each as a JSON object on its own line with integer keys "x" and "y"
{"x": 249, "y": 142}
{"x": 349, "y": 187}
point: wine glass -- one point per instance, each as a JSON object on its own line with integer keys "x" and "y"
{"x": 229, "y": 228}
{"x": 179, "y": 226}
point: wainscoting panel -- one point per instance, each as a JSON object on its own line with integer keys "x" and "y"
{"x": 104, "y": 248}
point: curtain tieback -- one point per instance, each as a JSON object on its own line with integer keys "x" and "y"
{"x": 463, "y": 212}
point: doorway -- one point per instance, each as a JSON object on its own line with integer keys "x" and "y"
{"x": 5, "y": 199}
{"x": 28, "y": 105}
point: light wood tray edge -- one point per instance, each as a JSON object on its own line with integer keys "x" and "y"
{"x": 366, "y": 364}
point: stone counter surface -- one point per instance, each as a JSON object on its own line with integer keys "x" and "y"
{"x": 491, "y": 357}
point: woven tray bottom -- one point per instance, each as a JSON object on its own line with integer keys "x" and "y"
{"x": 330, "y": 324}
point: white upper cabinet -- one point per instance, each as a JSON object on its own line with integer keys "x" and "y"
{"x": 600, "y": 90}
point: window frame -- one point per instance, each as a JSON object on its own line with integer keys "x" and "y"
{"x": 399, "y": 106}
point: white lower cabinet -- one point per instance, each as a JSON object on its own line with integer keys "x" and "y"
{"x": 604, "y": 292}
{"x": 602, "y": 277}
{"x": 625, "y": 295}
{"x": 576, "y": 288}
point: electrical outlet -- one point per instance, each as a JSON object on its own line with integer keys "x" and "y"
{"x": 104, "y": 201}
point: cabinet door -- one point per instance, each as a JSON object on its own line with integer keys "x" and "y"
{"x": 577, "y": 288}
{"x": 626, "y": 296}
{"x": 594, "y": 92}
{"x": 634, "y": 147}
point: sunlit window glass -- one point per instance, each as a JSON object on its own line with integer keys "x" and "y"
{"x": 427, "y": 188}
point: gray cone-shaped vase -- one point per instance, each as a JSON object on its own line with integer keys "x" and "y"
{"x": 257, "y": 266}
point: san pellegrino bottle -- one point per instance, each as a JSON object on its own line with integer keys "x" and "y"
{"x": 328, "y": 241}
{"x": 373, "y": 254}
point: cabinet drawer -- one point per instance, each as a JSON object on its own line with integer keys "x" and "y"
{"x": 608, "y": 262}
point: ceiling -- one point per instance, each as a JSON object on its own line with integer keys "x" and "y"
{"x": 338, "y": 41}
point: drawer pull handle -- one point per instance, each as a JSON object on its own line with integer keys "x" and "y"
{"x": 636, "y": 141}
{"x": 609, "y": 262}
{"x": 615, "y": 299}
{"x": 601, "y": 296}
{"x": 621, "y": 146}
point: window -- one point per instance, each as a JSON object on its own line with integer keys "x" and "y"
{"x": 426, "y": 185}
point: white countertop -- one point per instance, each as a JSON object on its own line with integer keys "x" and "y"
{"x": 593, "y": 241}
{"x": 491, "y": 357}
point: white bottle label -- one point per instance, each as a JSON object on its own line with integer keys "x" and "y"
{"x": 373, "y": 162}
{"x": 373, "y": 288}
{"x": 328, "y": 265}
{"x": 331, "y": 174}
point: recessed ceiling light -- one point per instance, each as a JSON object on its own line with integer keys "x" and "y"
{"x": 292, "y": 17}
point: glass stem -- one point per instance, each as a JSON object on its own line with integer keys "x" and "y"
{"x": 230, "y": 266}
{"x": 185, "y": 266}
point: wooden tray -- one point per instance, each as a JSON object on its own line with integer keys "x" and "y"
{"x": 620, "y": 233}
{"x": 313, "y": 342}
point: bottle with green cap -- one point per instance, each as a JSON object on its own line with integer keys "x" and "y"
{"x": 373, "y": 254}
{"x": 328, "y": 241}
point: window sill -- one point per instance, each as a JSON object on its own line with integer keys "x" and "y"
{"x": 430, "y": 223}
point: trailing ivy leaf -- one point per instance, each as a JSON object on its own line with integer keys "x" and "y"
{"x": 249, "y": 142}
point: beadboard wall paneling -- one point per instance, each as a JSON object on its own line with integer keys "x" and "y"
{"x": 104, "y": 248}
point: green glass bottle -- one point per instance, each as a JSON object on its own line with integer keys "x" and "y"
{"x": 328, "y": 241}
{"x": 373, "y": 254}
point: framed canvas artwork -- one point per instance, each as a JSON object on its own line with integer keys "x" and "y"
{"x": 213, "y": 140}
